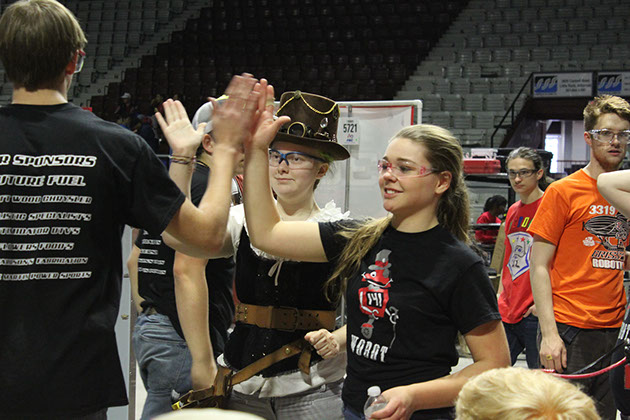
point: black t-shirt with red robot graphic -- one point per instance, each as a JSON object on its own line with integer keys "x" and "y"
{"x": 412, "y": 294}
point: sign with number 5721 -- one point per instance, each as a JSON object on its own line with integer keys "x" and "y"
{"x": 349, "y": 131}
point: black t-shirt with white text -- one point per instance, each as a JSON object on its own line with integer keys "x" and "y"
{"x": 412, "y": 294}
{"x": 69, "y": 182}
{"x": 156, "y": 282}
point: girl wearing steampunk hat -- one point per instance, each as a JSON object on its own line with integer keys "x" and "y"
{"x": 403, "y": 320}
{"x": 282, "y": 300}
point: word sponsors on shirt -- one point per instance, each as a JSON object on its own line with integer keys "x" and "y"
{"x": 365, "y": 348}
{"x": 42, "y": 161}
{"x": 48, "y": 160}
{"x": 20, "y": 253}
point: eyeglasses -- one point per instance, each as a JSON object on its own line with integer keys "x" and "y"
{"x": 300, "y": 129}
{"x": 403, "y": 171}
{"x": 606, "y": 136}
{"x": 80, "y": 61}
{"x": 523, "y": 173}
{"x": 294, "y": 160}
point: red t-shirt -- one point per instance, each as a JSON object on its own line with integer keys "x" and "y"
{"x": 590, "y": 237}
{"x": 487, "y": 236}
{"x": 517, "y": 291}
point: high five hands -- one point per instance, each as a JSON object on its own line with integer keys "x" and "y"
{"x": 245, "y": 118}
{"x": 267, "y": 125}
{"x": 180, "y": 134}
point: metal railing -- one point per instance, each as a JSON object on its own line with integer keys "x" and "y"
{"x": 510, "y": 110}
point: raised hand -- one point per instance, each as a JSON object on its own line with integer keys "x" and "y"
{"x": 233, "y": 120}
{"x": 266, "y": 126}
{"x": 179, "y": 132}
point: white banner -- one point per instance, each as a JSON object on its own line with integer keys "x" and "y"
{"x": 562, "y": 84}
{"x": 613, "y": 83}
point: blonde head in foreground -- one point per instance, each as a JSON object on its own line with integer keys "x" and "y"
{"x": 522, "y": 394}
{"x": 207, "y": 413}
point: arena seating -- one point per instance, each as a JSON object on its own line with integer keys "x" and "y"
{"x": 465, "y": 60}
{"x": 345, "y": 49}
{"x": 493, "y": 46}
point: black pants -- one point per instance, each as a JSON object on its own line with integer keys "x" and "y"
{"x": 584, "y": 346}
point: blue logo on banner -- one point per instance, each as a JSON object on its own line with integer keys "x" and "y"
{"x": 609, "y": 83}
{"x": 545, "y": 84}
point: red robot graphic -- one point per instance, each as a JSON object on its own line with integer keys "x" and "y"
{"x": 373, "y": 298}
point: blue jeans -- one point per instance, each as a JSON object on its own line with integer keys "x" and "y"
{"x": 350, "y": 414}
{"x": 164, "y": 361}
{"x": 522, "y": 335}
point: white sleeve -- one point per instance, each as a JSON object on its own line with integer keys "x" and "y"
{"x": 236, "y": 221}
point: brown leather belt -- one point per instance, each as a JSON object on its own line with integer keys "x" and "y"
{"x": 284, "y": 318}
{"x": 226, "y": 378}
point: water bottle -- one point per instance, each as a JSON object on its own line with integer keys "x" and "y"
{"x": 374, "y": 402}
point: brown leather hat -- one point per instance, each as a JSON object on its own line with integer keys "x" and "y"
{"x": 314, "y": 121}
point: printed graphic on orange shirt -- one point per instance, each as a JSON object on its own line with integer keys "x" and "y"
{"x": 373, "y": 298}
{"x": 612, "y": 233}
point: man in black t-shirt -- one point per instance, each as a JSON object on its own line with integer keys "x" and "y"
{"x": 69, "y": 182}
{"x": 184, "y": 317}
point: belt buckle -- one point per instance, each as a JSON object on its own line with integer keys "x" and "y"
{"x": 295, "y": 311}
{"x": 241, "y": 312}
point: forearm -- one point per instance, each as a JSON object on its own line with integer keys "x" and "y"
{"x": 543, "y": 299}
{"x": 260, "y": 210}
{"x": 132, "y": 269}
{"x": 217, "y": 199}
{"x": 615, "y": 187}
{"x": 181, "y": 173}
{"x": 442, "y": 392}
{"x": 341, "y": 337}
{"x": 500, "y": 288}
{"x": 135, "y": 295}
{"x": 200, "y": 231}
{"x": 191, "y": 296}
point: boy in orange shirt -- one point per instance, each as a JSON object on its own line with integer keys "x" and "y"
{"x": 578, "y": 256}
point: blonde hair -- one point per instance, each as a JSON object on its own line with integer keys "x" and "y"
{"x": 444, "y": 153}
{"x": 522, "y": 394}
{"x": 605, "y": 104}
{"x": 38, "y": 38}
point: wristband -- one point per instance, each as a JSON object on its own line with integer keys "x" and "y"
{"x": 182, "y": 160}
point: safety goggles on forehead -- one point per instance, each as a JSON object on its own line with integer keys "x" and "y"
{"x": 294, "y": 160}
{"x": 404, "y": 171}
{"x": 607, "y": 136}
{"x": 80, "y": 61}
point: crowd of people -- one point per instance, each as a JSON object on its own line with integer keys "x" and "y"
{"x": 70, "y": 182}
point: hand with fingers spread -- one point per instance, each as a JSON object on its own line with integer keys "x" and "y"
{"x": 324, "y": 343}
{"x": 266, "y": 126}
{"x": 233, "y": 120}
{"x": 179, "y": 132}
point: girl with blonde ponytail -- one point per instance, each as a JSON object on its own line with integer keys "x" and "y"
{"x": 411, "y": 282}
